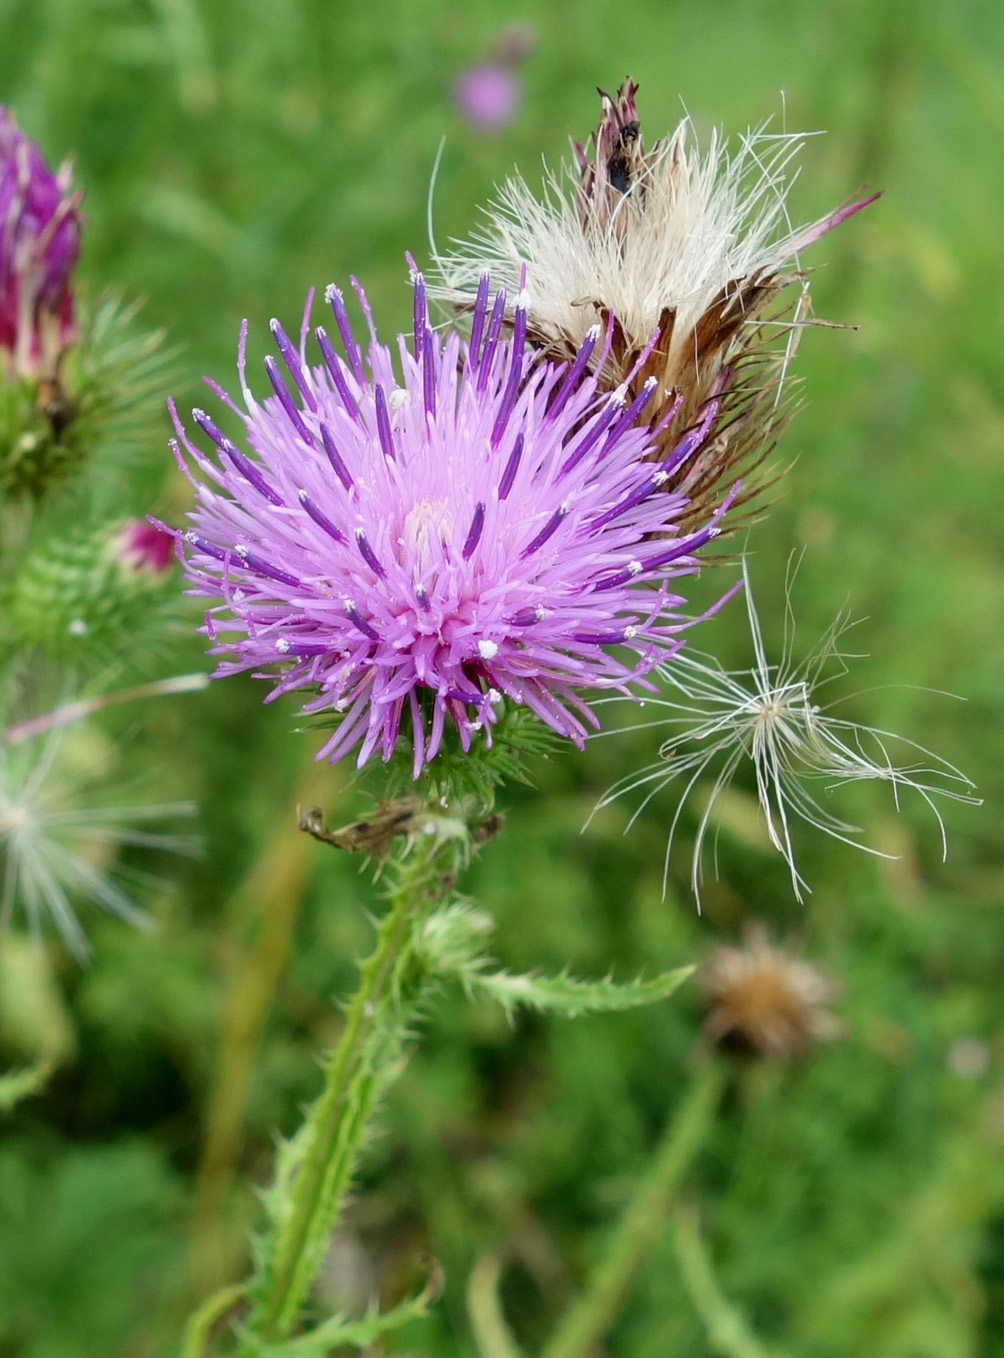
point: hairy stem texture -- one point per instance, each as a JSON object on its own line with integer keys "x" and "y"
{"x": 315, "y": 1168}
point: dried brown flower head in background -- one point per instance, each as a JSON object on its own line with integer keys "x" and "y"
{"x": 764, "y": 1001}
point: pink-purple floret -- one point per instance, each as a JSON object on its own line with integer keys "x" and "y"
{"x": 470, "y": 526}
{"x": 39, "y": 243}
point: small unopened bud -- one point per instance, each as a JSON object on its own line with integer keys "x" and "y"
{"x": 764, "y": 1001}
{"x": 82, "y": 596}
{"x": 145, "y": 547}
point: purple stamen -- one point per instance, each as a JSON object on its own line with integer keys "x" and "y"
{"x": 422, "y": 595}
{"x": 693, "y": 440}
{"x": 478, "y": 321}
{"x": 287, "y": 402}
{"x": 684, "y": 548}
{"x": 420, "y": 314}
{"x": 301, "y": 649}
{"x": 511, "y": 467}
{"x": 209, "y": 426}
{"x": 601, "y": 638}
{"x": 251, "y": 473}
{"x": 384, "y": 432}
{"x": 552, "y": 524}
{"x": 593, "y": 436}
{"x": 571, "y": 379}
{"x": 339, "y": 467}
{"x": 292, "y": 361}
{"x": 459, "y": 695}
{"x": 631, "y": 414}
{"x": 209, "y": 548}
{"x": 320, "y": 518}
{"x": 630, "y": 572}
{"x": 526, "y": 617}
{"x": 651, "y": 483}
{"x": 334, "y": 366}
{"x": 474, "y": 534}
{"x": 334, "y": 299}
{"x": 515, "y": 376}
{"x": 367, "y": 553}
{"x": 491, "y": 339}
{"x": 261, "y": 567}
{"x": 353, "y": 614}
{"x": 428, "y": 375}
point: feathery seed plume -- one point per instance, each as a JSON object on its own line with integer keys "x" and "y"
{"x": 770, "y": 717}
{"x": 685, "y": 254}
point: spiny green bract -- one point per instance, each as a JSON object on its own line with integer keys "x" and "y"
{"x": 476, "y": 775}
{"x": 100, "y": 404}
{"x": 78, "y": 599}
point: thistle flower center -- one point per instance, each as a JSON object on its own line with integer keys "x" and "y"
{"x": 427, "y": 530}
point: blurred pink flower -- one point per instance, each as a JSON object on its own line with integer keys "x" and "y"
{"x": 488, "y": 95}
{"x": 145, "y": 546}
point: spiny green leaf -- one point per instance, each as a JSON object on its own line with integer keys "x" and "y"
{"x": 450, "y": 944}
{"x": 564, "y": 994}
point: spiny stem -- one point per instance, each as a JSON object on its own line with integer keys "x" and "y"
{"x": 326, "y": 1148}
{"x": 596, "y": 1308}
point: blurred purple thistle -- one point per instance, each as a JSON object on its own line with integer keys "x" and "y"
{"x": 488, "y": 95}
{"x": 418, "y": 539}
{"x": 39, "y": 243}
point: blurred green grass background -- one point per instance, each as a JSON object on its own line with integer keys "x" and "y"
{"x": 234, "y": 155}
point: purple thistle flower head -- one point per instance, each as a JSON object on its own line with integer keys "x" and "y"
{"x": 419, "y": 539}
{"x": 39, "y": 243}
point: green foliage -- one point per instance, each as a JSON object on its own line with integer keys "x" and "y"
{"x": 16, "y": 1085}
{"x": 235, "y": 154}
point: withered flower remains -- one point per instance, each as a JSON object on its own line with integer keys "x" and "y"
{"x": 765, "y": 1001}
{"x": 684, "y": 255}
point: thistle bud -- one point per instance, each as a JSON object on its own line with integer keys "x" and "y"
{"x": 764, "y": 1001}
{"x": 145, "y": 547}
{"x": 39, "y": 243}
{"x": 75, "y": 597}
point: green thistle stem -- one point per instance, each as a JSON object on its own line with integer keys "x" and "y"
{"x": 594, "y": 1311}
{"x": 311, "y": 1185}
